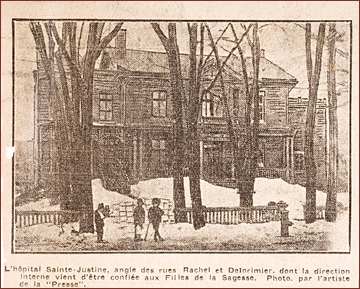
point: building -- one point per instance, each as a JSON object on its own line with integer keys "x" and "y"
{"x": 133, "y": 119}
{"x": 297, "y": 118}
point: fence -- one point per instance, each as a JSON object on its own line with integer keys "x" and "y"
{"x": 271, "y": 173}
{"x": 237, "y": 215}
{"x": 320, "y": 212}
{"x": 30, "y": 218}
{"x": 124, "y": 211}
{"x": 124, "y": 214}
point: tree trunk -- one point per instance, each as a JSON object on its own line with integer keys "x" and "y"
{"x": 252, "y": 135}
{"x": 74, "y": 116}
{"x": 313, "y": 78}
{"x": 194, "y": 102}
{"x": 330, "y": 211}
{"x": 172, "y": 50}
{"x": 243, "y": 153}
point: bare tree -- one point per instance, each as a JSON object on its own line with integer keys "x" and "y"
{"x": 76, "y": 112}
{"x": 177, "y": 87}
{"x": 313, "y": 79}
{"x": 245, "y": 143}
{"x": 330, "y": 212}
{"x": 243, "y": 159}
{"x": 195, "y": 73}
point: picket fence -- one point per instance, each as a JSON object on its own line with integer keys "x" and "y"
{"x": 30, "y": 218}
{"x": 237, "y": 215}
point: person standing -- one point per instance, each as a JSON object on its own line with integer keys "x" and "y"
{"x": 139, "y": 219}
{"x": 155, "y": 214}
{"x": 99, "y": 222}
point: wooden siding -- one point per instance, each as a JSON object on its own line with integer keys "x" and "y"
{"x": 297, "y": 120}
{"x": 275, "y": 105}
{"x": 43, "y": 97}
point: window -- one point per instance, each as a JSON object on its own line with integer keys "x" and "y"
{"x": 159, "y": 104}
{"x": 211, "y": 106}
{"x": 261, "y": 163}
{"x": 299, "y": 160}
{"x": 262, "y": 105}
{"x": 106, "y": 107}
{"x": 236, "y": 94}
{"x": 158, "y": 148}
{"x": 218, "y": 161}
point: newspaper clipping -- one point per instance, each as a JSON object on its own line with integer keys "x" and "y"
{"x": 179, "y": 144}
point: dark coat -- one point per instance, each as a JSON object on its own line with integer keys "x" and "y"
{"x": 99, "y": 222}
{"x": 139, "y": 215}
{"x": 155, "y": 214}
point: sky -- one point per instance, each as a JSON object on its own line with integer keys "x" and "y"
{"x": 284, "y": 44}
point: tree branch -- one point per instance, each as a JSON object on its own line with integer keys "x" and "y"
{"x": 211, "y": 85}
{"x": 246, "y": 81}
{"x": 164, "y": 40}
{"x": 107, "y": 39}
{"x": 79, "y": 43}
{"x": 216, "y": 42}
{"x": 68, "y": 59}
{"x": 37, "y": 32}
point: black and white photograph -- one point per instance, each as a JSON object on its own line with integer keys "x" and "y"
{"x": 168, "y": 144}
{"x": 181, "y": 136}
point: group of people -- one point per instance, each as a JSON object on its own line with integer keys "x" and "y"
{"x": 154, "y": 215}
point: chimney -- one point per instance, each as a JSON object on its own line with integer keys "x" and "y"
{"x": 120, "y": 44}
{"x": 262, "y": 53}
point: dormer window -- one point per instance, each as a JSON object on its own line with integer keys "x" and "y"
{"x": 159, "y": 103}
{"x": 106, "y": 107}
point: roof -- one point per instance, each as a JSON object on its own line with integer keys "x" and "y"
{"x": 157, "y": 62}
{"x": 269, "y": 70}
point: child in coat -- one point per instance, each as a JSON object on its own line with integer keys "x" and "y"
{"x": 99, "y": 222}
{"x": 139, "y": 219}
{"x": 155, "y": 214}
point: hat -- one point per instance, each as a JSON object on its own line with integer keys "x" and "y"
{"x": 101, "y": 206}
{"x": 156, "y": 201}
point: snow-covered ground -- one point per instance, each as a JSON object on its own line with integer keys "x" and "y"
{"x": 100, "y": 195}
{"x": 266, "y": 190}
{"x": 319, "y": 236}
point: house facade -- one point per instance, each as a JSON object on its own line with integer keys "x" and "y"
{"x": 133, "y": 120}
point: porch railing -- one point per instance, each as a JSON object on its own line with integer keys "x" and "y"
{"x": 271, "y": 173}
{"x": 30, "y": 218}
{"x": 237, "y": 215}
{"x": 320, "y": 212}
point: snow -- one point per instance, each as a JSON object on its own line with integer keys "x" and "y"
{"x": 41, "y": 205}
{"x": 319, "y": 236}
{"x": 294, "y": 195}
{"x": 266, "y": 190}
{"x": 163, "y": 188}
{"x": 100, "y": 195}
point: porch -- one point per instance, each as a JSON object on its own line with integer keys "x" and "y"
{"x": 276, "y": 159}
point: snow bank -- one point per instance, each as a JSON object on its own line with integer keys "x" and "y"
{"x": 212, "y": 196}
{"x": 294, "y": 195}
{"x": 100, "y": 195}
{"x": 266, "y": 190}
{"x": 41, "y": 205}
{"x": 215, "y": 196}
